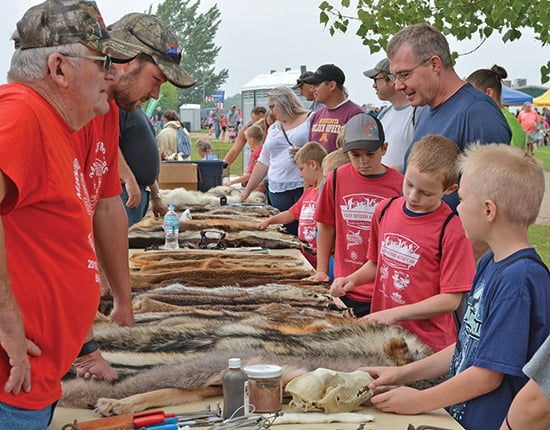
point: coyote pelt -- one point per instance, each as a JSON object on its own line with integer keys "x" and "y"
{"x": 176, "y": 354}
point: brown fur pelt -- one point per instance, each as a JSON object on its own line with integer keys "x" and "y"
{"x": 202, "y": 268}
{"x": 191, "y": 353}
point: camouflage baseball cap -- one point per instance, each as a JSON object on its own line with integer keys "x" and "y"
{"x": 60, "y": 22}
{"x": 156, "y": 39}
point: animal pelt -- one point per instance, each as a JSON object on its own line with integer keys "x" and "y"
{"x": 169, "y": 353}
{"x": 181, "y": 196}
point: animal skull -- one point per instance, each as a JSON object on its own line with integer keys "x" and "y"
{"x": 329, "y": 390}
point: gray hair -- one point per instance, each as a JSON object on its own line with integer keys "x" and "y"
{"x": 425, "y": 41}
{"x": 287, "y": 102}
{"x": 28, "y": 65}
{"x": 204, "y": 145}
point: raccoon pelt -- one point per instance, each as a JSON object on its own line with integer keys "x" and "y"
{"x": 157, "y": 357}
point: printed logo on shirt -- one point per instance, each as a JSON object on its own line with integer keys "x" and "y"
{"x": 358, "y": 209}
{"x": 308, "y": 233}
{"x": 353, "y": 238}
{"x": 80, "y": 187}
{"x": 98, "y": 169}
{"x": 399, "y": 251}
{"x": 306, "y": 214}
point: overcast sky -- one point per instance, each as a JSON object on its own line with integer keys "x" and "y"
{"x": 257, "y": 36}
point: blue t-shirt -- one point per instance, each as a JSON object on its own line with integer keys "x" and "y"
{"x": 468, "y": 116}
{"x": 506, "y": 320}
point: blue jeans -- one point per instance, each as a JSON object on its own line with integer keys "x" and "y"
{"x": 135, "y": 214}
{"x": 283, "y": 201}
{"x": 13, "y": 418}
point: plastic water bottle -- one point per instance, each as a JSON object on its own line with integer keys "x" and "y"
{"x": 171, "y": 229}
{"x": 235, "y": 391}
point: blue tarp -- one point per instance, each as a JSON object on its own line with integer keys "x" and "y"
{"x": 514, "y": 97}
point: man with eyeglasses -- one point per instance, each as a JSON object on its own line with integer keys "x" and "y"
{"x": 127, "y": 127}
{"x": 306, "y": 90}
{"x": 422, "y": 69}
{"x": 49, "y": 285}
{"x": 398, "y": 119}
{"x": 328, "y": 89}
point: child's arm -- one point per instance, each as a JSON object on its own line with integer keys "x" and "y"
{"x": 326, "y": 234}
{"x": 365, "y": 274}
{"x": 257, "y": 175}
{"x": 530, "y": 410}
{"x": 467, "y": 385}
{"x": 285, "y": 217}
{"x": 428, "y": 308}
{"x": 241, "y": 179}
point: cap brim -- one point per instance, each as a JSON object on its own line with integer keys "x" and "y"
{"x": 367, "y": 145}
{"x": 115, "y": 48}
{"x": 371, "y": 73}
{"x": 174, "y": 72}
{"x": 314, "y": 80}
{"x": 295, "y": 87}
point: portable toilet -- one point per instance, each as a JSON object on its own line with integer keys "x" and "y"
{"x": 190, "y": 115}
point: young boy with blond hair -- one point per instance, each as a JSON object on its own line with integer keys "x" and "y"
{"x": 346, "y": 206}
{"x": 508, "y": 311}
{"x": 419, "y": 258}
{"x": 254, "y": 138}
{"x": 309, "y": 160}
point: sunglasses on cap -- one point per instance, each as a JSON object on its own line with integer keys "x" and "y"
{"x": 172, "y": 53}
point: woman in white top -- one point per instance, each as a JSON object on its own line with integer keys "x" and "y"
{"x": 276, "y": 161}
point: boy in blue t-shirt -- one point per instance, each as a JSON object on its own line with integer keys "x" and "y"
{"x": 508, "y": 313}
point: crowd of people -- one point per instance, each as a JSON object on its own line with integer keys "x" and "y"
{"x": 410, "y": 213}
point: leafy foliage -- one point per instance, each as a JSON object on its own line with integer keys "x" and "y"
{"x": 196, "y": 32}
{"x": 378, "y": 20}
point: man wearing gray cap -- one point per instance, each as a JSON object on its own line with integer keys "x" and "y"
{"x": 130, "y": 85}
{"x": 397, "y": 119}
{"x": 306, "y": 90}
{"x": 49, "y": 288}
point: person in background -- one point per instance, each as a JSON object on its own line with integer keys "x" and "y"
{"x": 309, "y": 160}
{"x": 204, "y": 147}
{"x": 306, "y": 90}
{"x": 258, "y": 112}
{"x": 328, "y": 82}
{"x": 167, "y": 139}
{"x": 290, "y": 131}
{"x": 489, "y": 81}
{"x": 49, "y": 289}
{"x": 529, "y": 120}
{"x": 223, "y": 126}
{"x": 397, "y": 119}
{"x": 254, "y": 138}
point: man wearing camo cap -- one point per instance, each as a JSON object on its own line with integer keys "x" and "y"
{"x": 49, "y": 287}
{"x": 130, "y": 85}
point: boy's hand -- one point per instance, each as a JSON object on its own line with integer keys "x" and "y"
{"x": 383, "y": 376}
{"x": 263, "y": 225}
{"x": 402, "y": 400}
{"x": 385, "y": 317}
{"x": 340, "y": 287}
{"x": 319, "y": 277}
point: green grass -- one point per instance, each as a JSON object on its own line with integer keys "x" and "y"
{"x": 539, "y": 235}
{"x": 220, "y": 148}
{"x": 543, "y": 154}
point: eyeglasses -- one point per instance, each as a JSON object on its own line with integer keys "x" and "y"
{"x": 403, "y": 76}
{"x": 271, "y": 106}
{"x": 172, "y": 53}
{"x": 107, "y": 60}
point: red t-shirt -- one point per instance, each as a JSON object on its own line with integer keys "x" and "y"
{"x": 98, "y": 152}
{"x": 356, "y": 198}
{"x": 48, "y": 238}
{"x": 253, "y": 158}
{"x": 406, "y": 250}
{"x": 303, "y": 211}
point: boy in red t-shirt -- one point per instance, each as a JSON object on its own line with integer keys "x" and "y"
{"x": 254, "y": 138}
{"x": 418, "y": 253}
{"x": 346, "y": 206}
{"x": 309, "y": 160}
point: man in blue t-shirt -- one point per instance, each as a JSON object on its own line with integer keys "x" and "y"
{"x": 422, "y": 68}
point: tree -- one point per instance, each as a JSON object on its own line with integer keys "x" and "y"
{"x": 380, "y": 19}
{"x": 196, "y": 32}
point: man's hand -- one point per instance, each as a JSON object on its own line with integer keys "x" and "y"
{"x": 94, "y": 366}
{"x": 134, "y": 194}
{"x": 159, "y": 208}
{"x": 18, "y": 350}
